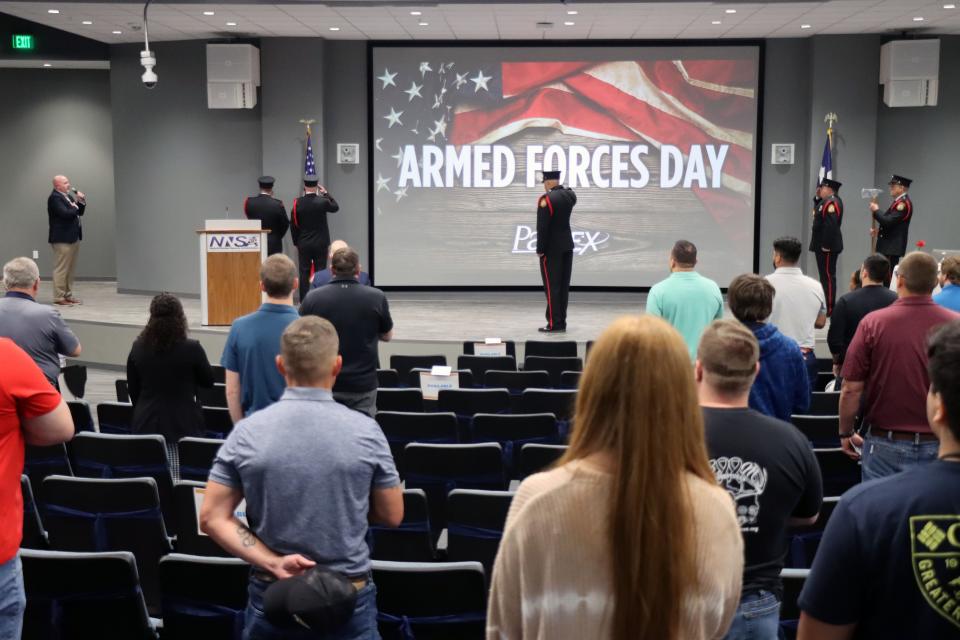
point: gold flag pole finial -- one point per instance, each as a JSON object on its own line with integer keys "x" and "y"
{"x": 307, "y": 122}
{"x": 831, "y": 119}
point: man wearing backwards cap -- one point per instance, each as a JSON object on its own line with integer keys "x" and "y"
{"x": 826, "y": 240}
{"x": 270, "y": 212}
{"x": 555, "y": 248}
{"x": 894, "y": 223}
{"x": 310, "y": 232}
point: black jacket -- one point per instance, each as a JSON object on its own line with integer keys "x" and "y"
{"x": 309, "y": 219}
{"x": 894, "y": 226}
{"x": 272, "y": 216}
{"x": 163, "y": 389}
{"x": 826, "y": 225}
{"x": 849, "y": 311}
{"x": 64, "y": 219}
{"x": 553, "y": 220}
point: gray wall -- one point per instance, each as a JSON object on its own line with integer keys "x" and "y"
{"x": 56, "y": 121}
{"x": 177, "y": 164}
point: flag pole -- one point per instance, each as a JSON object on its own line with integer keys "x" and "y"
{"x": 306, "y": 122}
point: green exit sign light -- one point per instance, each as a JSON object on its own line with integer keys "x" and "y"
{"x": 23, "y": 41}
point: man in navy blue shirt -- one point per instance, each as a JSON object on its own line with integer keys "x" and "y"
{"x": 324, "y": 276}
{"x": 889, "y": 562}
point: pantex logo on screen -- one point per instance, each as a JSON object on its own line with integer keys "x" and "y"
{"x": 525, "y": 240}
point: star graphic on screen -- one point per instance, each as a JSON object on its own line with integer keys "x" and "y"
{"x": 398, "y": 156}
{"x": 481, "y": 82}
{"x": 377, "y": 142}
{"x": 413, "y": 91}
{"x": 387, "y": 78}
{"x": 400, "y": 193}
{"x": 460, "y": 81}
{"x": 437, "y": 102}
{"x": 424, "y": 67}
{"x": 382, "y": 183}
{"x": 393, "y": 118}
{"x": 440, "y": 126}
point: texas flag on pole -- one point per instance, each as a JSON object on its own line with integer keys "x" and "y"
{"x": 826, "y": 165}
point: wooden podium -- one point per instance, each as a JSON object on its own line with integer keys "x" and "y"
{"x": 231, "y": 252}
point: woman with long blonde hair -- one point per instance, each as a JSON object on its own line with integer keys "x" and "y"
{"x": 629, "y": 536}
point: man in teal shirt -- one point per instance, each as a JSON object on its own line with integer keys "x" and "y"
{"x": 686, "y": 299}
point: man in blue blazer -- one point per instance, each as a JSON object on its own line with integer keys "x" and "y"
{"x": 64, "y": 208}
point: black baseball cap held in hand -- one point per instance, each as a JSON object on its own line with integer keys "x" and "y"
{"x": 318, "y": 599}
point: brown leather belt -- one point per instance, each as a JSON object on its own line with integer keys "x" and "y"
{"x": 914, "y": 436}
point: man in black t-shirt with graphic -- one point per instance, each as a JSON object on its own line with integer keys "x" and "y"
{"x": 361, "y": 316}
{"x": 766, "y": 465}
{"x": 889, "y": 562}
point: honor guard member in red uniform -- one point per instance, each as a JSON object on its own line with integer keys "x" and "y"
{"x": 826, "y": 240}
{"x": 894, "y": 223}
{"x": 270, "y": 212}
{"x": 310, "y": 232}
{"x": 555, "y": 248}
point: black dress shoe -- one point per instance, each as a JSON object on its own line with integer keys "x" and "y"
{"x": 549, "y": 329}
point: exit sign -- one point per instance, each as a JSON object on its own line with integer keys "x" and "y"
{"x": 22, "y": 41}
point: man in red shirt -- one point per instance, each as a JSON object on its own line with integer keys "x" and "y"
{"x": 887, "y": 361}
{"x": 31, "y": 411}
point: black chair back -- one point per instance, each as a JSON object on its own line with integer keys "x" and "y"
{"x": 554, "y": 366}
{"x": 115, "y": 417}
{"x": 196, "y": 457}
{"x": 217, "y": 422}
{"x": 479, "y": 365}
{"x": 550, "y": 349}
{"x": 76, "y": 596}
{"x": 559, "y": 402}
{"x": 453, "y": 593}
{"x": 793, "y": 580}
{"x": 219, "y": 374}
{"x": 40, "y": 462}
{"x": 215, "y": 396}
{"x": 82, "y": 417}
{"x": 570, "y": 379}
{"x": 34, "y": 536}
{"x": 516, "y": 381}
{"x": 475, "y": 521}
{"x": 535, "y": 458}
{"x": 82, "y": 514}
{"x": 388, "y": 379}
{"x": 203, "y": 597}
{"x": 401, "y": 428}
{"x": 821, "y": 431}
{"x": 123, "y": 390}
{"x": 839, "y": 471}
{"x": 465, "y": 377}
{"x": 75, "y": 377}
{"x": 412, "y": 541}
{"x": 186, "y": 495}
{"x": 468, "y": 402}
{"x": 804, "y": 541}
{"x": 403, "y": 364}
{"x": 469, "y": 348}
{"x": 825, "y": 403}
{"x": 513, "y": 431}
{"x": 823, "y": 379}
{"x": 399, "y": 400}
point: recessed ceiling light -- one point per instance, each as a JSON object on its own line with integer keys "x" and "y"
{"x": 424, "y": 24}
{"x": 730, "y": 11}
{"x": 569, "y": 23}
{"x": 231, "y": 24}
{"x": 416, "y": 13}
{"x": 334, "y": 29}
{"x": 804, "y": 26}
{"x": 949, "y": 6}
{"x": 918, "y": 18}
{"x": 116, "y": 33}
{"x": 572, "y": 12}
{"x": 53, "y": 10}
{"x": 87, "y": 22}
{"x": 716, "y": 22}
{"x": 209, "y": 13}
{"x": 47, "y": 64}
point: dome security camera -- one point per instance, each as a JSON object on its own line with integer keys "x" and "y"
{"x": 149, "y": 77}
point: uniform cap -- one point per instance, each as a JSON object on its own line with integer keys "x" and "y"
{"x": 895, "y": 179}
{"x": 266, "y": 181}
{"x": 310, "y": 180}
{"x": 833, "y": 184}
{"x": 551, "y": 175}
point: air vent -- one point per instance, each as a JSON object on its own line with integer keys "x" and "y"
{"x": 544, "y": 25}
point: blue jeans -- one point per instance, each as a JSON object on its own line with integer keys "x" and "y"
{"x": 882, "y": 457}
{"x": 757, "y": 617}
{"x": 810, "y": 359}
{"x": 363, "y": 625}
{"x": 12, "y": 599}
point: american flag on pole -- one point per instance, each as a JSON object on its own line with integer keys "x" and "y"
{"x": 658, "y": 102}
{"x": 309, "y": 167}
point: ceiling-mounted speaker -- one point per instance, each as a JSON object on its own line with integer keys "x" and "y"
{"x": 233, "y": 75}
{"x": 909, "y": 72}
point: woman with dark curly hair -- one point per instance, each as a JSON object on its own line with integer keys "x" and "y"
{"x": 164, "y": 370}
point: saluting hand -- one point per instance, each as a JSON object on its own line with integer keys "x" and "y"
{"x": 873, "y": 233}
{"x": 874, "y": 207}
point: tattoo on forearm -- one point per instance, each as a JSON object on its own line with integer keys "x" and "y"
{"x": 247, "y": 538}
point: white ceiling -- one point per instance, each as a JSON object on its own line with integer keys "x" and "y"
{"x": 492, "y": 21}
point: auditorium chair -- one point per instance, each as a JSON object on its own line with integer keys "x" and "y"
{"x": 535, "y": 458}
{"x": 217, "y": 422}
{"x": 839, "y": 471}
{"x": 412, "y": 541}
{"x": 196, "y": 457}
{"x": 479, "y": 365}
{"x": 399, "y": 400}
{"x": 559, "y": 402}
{"x": 475, "y": 521}
{"x": 570, "y": 379}
{"x": 469, "y": 349}
{"x": 825, "y": 403}
{"x": 793, "y": 580}
{"x": 402, "y": 427}
{"x": 388, "y": 378}
{"x": 821, "y": 431}
{"x": 823, "y": 379}
{"x": 122, "y": 389}
{"x": 101, "y": 455}
{"x": 219, "y": 374}
{"x": 430, "y": 600}
{"x": 34, "y": 535}
{"x": 516, "y": 381}
{"x": 403, "y": 364}
{"x": 513, "y": 431}
{"x": 115, "y": 417}
{"x": 438, "y": 469}
{"x": 824, "y": 365}
{"x": 82, "y": 418}
{"x": 554, "y": 366}
{"x": 203, "y": 597}
{"x": 550, "y": 349}
{"x": 804, "y": 541}
{"x": 82, "y": 514}
{"x": 468, "y": 402}
{"x": 465, "y": 377}
{"x": 189, "y": 538}
{"x": 215, "y": 396}
{"x": 79, "y": 596}
{"x": 40, "y": 462}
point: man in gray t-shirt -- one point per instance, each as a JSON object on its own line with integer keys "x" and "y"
{"x": 313, "y": 473}
{"x": 36, "y": 328}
